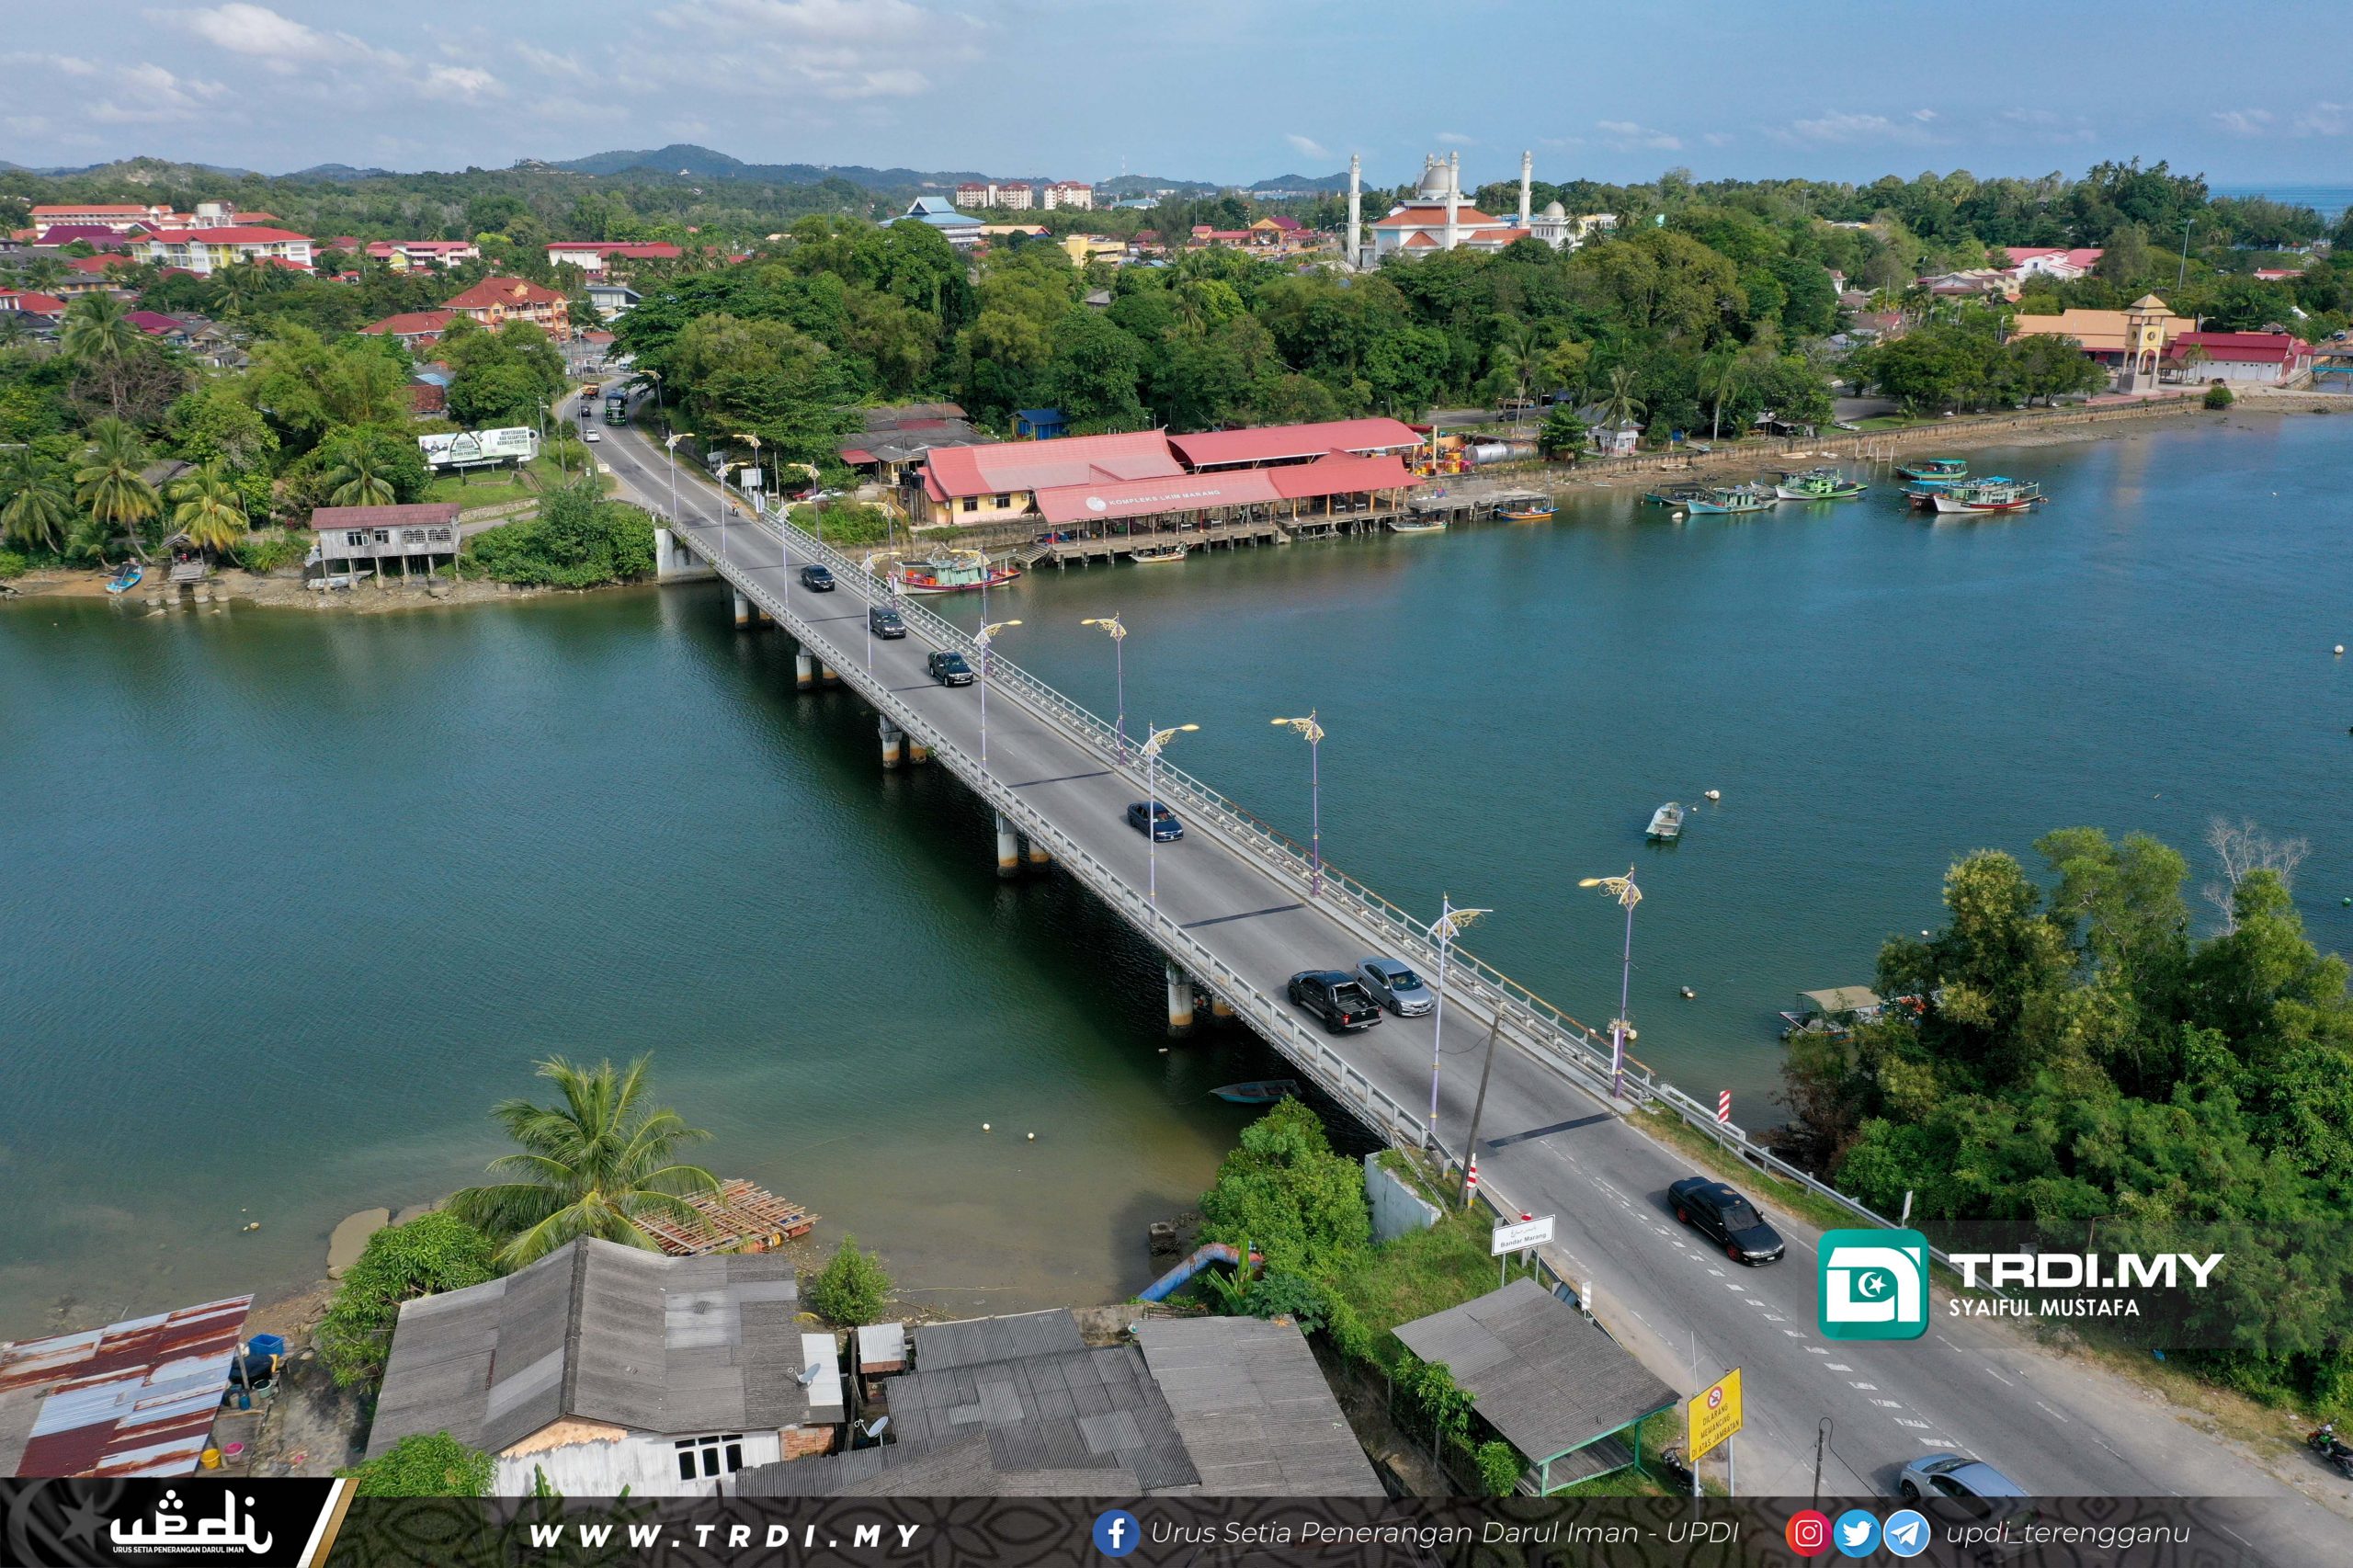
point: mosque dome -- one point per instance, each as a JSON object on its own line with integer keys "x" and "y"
{"x": 1555, "y": 210}
{"x": 1433, "y": 182}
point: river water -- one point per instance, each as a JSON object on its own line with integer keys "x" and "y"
{"x": 289, "y": 899}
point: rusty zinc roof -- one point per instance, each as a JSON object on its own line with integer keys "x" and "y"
{"x": 133, "y": 1398}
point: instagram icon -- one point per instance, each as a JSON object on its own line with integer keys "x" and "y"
{"x": 1809, "y": 1533}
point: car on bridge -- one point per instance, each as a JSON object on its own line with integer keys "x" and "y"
{"x": 948, "y": 668}
{"x": 1954, "y": 1475}
{"x": 1725, "y": 1217}
{"x": 1156, "y": 820}
{"x": 1336, "y": 998}
{"x": 816, "y": 579}
{"x": 885, "y": 622}
{"x": 592, "y": 436}
{"x": 1395, "y": 987}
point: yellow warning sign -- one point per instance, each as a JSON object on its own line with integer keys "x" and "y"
{"x": 1714, "y": 1414}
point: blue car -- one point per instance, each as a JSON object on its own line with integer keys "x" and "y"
{"x": 1164, "y": 827}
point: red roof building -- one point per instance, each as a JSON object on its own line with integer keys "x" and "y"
{"x": 413, "y": 328}
{"x": 495, "y": 302}
{"x": 203, "y": 250}
{"x": 597, "y": 258}
{"x": 31, "y": 303}
{"x": 1272, "y": 444}
{"x": 2028, "y": 261}
{"x": 2264, "y": 357}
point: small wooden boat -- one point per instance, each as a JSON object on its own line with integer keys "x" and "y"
{"x": 1157, "y": 554}
{"x": 1262, "y": 1091}
{"x": 1733, "y": 499}
{"x": 1543, "y": 512}
{"x": 1676, "y": 497}
{"x": 1990, "y": 495}
{"x": 122, "y": 581}
{"x": 1933, "y": 471}
{"x": 1666, "y": 823}
{"x": 1819, "y": 484}
{"x": 1418, "y": 525}
{"x": 953, "y": 572}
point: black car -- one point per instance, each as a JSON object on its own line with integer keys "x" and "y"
{"x": 816, "y": 579}
{"x": 949, "y": 669}
{"x": 1725, "y": 1217}
{"x": 1337, "y": 997}
{"x": 884, "y": 622}
{"x": 1163, "y": 826}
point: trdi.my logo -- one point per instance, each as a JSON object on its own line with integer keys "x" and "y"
{"x": 1874, "y": 1285}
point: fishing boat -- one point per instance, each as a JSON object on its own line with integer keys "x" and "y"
{"x": 1819, "y": 484}
{"x": 1732, "y": 498}
{"x": 1989, "y": 495}
{"x": 1536, "y": 512}
{"x": 1934, "y": 470}
{"x": 1262, "y": 1091}
{"x": 1666, "y": 823}
{"x": 1429, "y": 525}
{"x": 1157, "y": 554}
{"x": 1677, "y": 497}
{"x": 953, "y": 572}
{"x": 122, "y": 581}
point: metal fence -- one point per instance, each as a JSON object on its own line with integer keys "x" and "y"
{"x": 1543, "y": 1032}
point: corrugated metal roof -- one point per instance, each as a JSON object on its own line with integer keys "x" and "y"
{"x": 134, "y": 1398}
{"x": 1293, "y": 443}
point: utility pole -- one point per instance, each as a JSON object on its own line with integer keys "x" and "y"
{"x": 2182, "y": 275}
{"x": 1471, "y": 1144}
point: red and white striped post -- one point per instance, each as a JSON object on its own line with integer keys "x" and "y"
{"x": 1723, "y": 1106}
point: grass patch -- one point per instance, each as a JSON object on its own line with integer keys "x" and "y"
{"x": 1668, "y": 1127}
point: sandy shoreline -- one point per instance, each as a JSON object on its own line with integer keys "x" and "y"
{"x": 281, "y": 591}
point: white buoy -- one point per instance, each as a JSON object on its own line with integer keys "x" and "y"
{"x": 984, "y": 1126}
{"x": 2340, "y": 650}
{"x": 1033, "y": 1137}
{"x": 1715, "y": 794}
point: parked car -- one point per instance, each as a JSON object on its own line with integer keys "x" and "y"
{"x": 1954, "y": 1475}
{"x": 1164, "y": 828}
{"x": 1395, "y": 987}
{"x": 949, "y": 669}
{"x": 1725, "y": 1217}
{"x": 1337, "y": 997}
{"x": 816, "y": 579}
{"x": 884, "y": 622}
{"x": 593, "y": 437}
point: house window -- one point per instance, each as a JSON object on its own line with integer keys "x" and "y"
{"x": 996, "y": 501}
{"x": 412, "y": 536}
{"x": 971, "y": 503}
{"x": 709, "y": 1458}
{"x": 440, "y": 536}
{"x": 384, "y": 536}
{"x": 356, "y": 538}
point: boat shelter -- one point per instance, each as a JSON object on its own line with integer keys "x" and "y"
{"x": 1842, "y": 1002}
{"x": 1549, "y": 1379}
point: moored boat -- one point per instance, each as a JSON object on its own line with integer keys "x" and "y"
{"x": 954, "y": 572}
{"x": 1541, "y": 513}
{"x": 1429, "y": 525}
{"x": 1732, "y": 498}
{"x": 1934, "y": 470}
{"x": 1995, "y": 495}
{"x": 122, "y": 581}
{"x": 1666, "y": 823}
{"x": 1262, "y": 1091}
{"x": 1157, "y": 554}
{"x": 1819, "y": 484}
{"x": 1677, "y": 497}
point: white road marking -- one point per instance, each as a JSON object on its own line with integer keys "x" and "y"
{"x": 2047, "y": 1411}
{"x": 1999, "y": 1378}
{"x": 1838, "y": 1366}
{"x": 1794, "y": 1334}
{"x": 1920, "y": 1425}
{"x": 1851, "y": 1383}
{"x": 1889, "y": 1403}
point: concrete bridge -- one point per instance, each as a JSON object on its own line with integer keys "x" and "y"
{"x": 1235, "y": 909}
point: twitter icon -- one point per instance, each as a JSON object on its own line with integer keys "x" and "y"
{"x": 1908, "y": 1533}
{"x": 1855, "y": 1533}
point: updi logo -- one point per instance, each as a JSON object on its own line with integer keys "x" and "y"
{"x": 1117, "y": 1532}
{"x": 1874, "y": 1285}
{"x": 1808, "y": 1533}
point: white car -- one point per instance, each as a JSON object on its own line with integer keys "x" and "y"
{"x": 593, "y": 437}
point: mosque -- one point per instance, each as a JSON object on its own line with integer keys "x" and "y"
{"x": 1438, "y": 217}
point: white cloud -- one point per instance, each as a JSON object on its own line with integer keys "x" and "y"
{"x": 2325, "y": 120}
{"x": 1307, "y": 146}
{"x": 255, "y": 31}
{"x": 1924, "y": 115}
{"x": 839, "y": 50}
{"x": 148, "y": 95}
{"x": 1627, "y": 136}
{"x": 1837, "y": 126}
{"x": 1456, "y": 138}
{"x": 1718, "y": 139}
{"x": 59, "y": 64}
{"x": 467, "y": 84}
{"x": 2244, "y": 122}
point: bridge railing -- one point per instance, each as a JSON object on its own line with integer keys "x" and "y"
{"x": 1547, "y": 1033}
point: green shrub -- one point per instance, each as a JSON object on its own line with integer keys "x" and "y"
{"x": 13, "y": 564}
{"x": 2219, "y": 396}
{"x": 263, "y": 552}
{"x": 577, "y": 541}
{"x": 424, "y": 1464}
{"x": 1346, "y": 1331}
{"x": 1430, "y": 1398}
{"x": 1285, "y": 1192}
{"x": 845, "y": 523}
{"x": 430, "y": 1254}
{"x": 1499, "y": 1468}
{"x": 1281, "y": 1293}
{"x": 851, "y": 1289}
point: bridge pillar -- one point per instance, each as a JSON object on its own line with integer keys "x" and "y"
{"x": 1036, "y": 854}
{"x": 1220, "y": 1010}
{"x": 745, "y": 615}
{"x": 675, "y": 562}
{"x": 1180, "y": 1002}
{"x": 804, "y": 670}
{"x": 893, "y": 739}
{"x": 1008, "y": 848}
{"x": 918, "y": 752}
{"x": 826, "y": 676}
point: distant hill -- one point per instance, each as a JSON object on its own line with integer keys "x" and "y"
{"x": 137, "y": 171}
{"x": 687, "y": 161}
{"x": 1304, "y": 182}
{"x": 340, "y": 173}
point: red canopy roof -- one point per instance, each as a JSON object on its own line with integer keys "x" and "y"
{"x": 1013, "y": 466}
{"x": 1292, "y": 443}
{"x": 1338, "y": 475}
{"x": 1139, "y": 498}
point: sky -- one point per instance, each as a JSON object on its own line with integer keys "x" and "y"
{"x": 1226, "y": 90}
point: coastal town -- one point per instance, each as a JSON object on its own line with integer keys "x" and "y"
{"x": 757, "y": 833}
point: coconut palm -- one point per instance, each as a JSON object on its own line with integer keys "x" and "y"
{"x": 111, "y": 482}
{"x": 235, "y": 289}
{"x": 1721, "y": 374}
{"x": 99, "y": 335}
{"x": 210, "y": 510}
{"x": 1621, "y": 405}
{"x": 590, "y": 1165}
{"x": 358, "y": 478}
{"x": 36, "y": 502}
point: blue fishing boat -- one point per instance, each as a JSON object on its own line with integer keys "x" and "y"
{"x": 1731, "y": 498}
{"x": 122, "y": 581}
{"x": 1934, "y": 470}
{"x": 1261, "y": 1091}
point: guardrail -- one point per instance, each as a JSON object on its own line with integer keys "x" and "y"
{"x": 1543, "y": 1032}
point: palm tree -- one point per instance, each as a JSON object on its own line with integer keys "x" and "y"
{"x": 111, "y": 482}
{"x": 1621, "y": 405}
{"x": 210, "y": 512}
{"x": 99, "y": 335}
{"x": 36, "y": 504}
{"x": 234, "y": 289}
{"x": 358, "y": 477}
{"x": 1721, "y": 373}
{"x": 589, "y": 1165}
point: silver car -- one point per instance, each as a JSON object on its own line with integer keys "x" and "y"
{"x": 1396, "y": 987}
{"x": 1954, "y": 1475}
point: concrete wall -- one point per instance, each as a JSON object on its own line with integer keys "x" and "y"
{"x": 1397, "y": 1209}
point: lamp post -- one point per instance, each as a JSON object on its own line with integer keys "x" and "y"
{"x": 670, "y": 444}
{"x": 1448, "y": 924}
{"x": 1623, "y": 889}
{"x": 783, "y": 545}
{"x": 1315, "y": 734}
{"x": 724, "y": 470}
{"x": 2182, "y": 275}
{"x": 982, "y": 639}
{"x": 1152, "y": 749}
{"x": 1118, "y": 633}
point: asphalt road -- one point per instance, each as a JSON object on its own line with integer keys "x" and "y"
{"x": 2054, "y": 1425}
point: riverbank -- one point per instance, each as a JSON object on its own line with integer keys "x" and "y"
{"x": 287, "y": 591}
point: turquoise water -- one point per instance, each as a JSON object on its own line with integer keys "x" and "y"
{"x": 2329, "y": 200}
{"x": 291, "y": 898}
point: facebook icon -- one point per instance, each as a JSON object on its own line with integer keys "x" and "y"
{"x": 1117, "y": 1533}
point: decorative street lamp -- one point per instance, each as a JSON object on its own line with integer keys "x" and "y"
{"x": 1315, "y": 734}
{"x": 1152, "y": 749}
{"x": 671, "y": 443}
{"x": 981, "y": 639}
{"x": 1445, "y": 928}
{"x": 1623, "y": 889}
{"x": 1118, "y": 636}
{"x": 783, "y": 545}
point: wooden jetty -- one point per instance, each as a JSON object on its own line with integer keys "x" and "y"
{"x": 739, "y": 1216}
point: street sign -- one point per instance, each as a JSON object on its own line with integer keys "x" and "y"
{"x": 1714, "y": 1414}
{"x": 1516, "y": 1238}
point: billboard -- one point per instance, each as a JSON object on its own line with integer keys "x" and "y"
{"x": 468, "y": 448}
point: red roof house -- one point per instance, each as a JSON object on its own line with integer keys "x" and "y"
{"x": 495, "y": 302}
{"x": 413, "y": 328}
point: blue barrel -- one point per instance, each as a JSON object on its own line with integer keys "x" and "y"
{"x": 262, "y": 1345}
